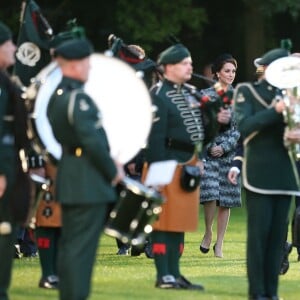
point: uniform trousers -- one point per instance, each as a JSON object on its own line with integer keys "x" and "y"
{"x": 267, "y": 226}
{"x": 7, "y": 252}
{"x": 82, "y": 226}
{"x": 7, "y": 241}
{"x": 47, "y": 242}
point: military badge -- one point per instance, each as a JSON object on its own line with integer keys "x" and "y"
{"x": 240, "y": 98}
{"x": 83, "y": 105}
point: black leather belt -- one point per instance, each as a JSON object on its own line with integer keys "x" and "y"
{"x": 179, "y": 145}
{"x": 76, "y": 151}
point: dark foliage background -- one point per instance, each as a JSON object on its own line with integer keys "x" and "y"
{"x": 244, "y": 28}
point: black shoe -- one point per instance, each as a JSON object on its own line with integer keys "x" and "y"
{"x": 148, "y": 250}
{"x": 203, "y": 250}
{"x": 136, "y": 250}
{"x": 258, "y": 297}
{"x": 123, "y": 250}
{"x": 285, "y": 265}
{"x": 33, "y": 254}
{"x": 186, "y": 284}
{"x": 18, "y": 253}
{"x": 50, "y": 282}
{"x": 285, "y": 261}
{"x": 167, "y": 282}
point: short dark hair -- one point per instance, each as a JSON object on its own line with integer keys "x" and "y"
{"x": 221, "y": 60}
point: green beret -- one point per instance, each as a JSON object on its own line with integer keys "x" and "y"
{"x": 173, "y": 55}
{"x": 272, "y": 55}
{"x": 75, "y": 32}
{"x": 5, "y": 33}
{"x": 74, "y": 49}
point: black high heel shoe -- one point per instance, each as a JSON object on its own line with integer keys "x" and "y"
{"x": 203, "y": 250}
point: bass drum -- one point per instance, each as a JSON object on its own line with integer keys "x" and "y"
{"x": 40, "y": 131}
{"x": 121, "y": 96}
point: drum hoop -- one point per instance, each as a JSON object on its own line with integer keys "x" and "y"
{"x": 139, "y": 189}
{"x": 109, "y": 100}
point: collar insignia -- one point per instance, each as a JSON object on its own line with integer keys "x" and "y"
{"x": 240, "y": 98}
{"x": 83, "y": 105}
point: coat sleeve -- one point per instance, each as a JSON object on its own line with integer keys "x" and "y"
{"x": 239, "y": 155}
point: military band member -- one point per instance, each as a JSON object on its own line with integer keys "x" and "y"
{"x": 11, "y": 138}
{"x": 48, "y": 215}
{"x": 177, "y": 129}
{"x": 135, "y": 56}
{"x": 86, "y": 173}
{"x": 268, "y": 179}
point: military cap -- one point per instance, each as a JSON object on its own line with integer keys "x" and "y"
{"x": 5, "y": 33}
{"x": 272, "y": 55}
{"x": 74, "y": 49}
{"x": 173, "y": 55}
{"x": 73, "y": 33}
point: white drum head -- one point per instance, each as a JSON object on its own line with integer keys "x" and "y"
{"x": 284, "y": 72}
{"x": 122, "y": 98}
{"x": 49, "y": 77}
{"x": 124, "y": 102}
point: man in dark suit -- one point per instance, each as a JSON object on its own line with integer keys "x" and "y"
{"x": 86, "y": 173}
{"x": 268, "y": 179}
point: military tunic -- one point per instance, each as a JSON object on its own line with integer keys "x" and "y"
{"x": 83, "y": 184}
{"x": 176, "y": 129}
{"x": 269, "y": 182}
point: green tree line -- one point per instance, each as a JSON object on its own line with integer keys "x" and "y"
{"x": 244, "y": 28}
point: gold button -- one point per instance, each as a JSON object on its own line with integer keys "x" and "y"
{"x": 78, "y": 152}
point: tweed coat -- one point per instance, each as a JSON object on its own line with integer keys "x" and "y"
{"x": 214, "y": 183}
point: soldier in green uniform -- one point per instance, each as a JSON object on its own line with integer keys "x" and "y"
{"x": 11, "y": 137}
{"x": 48, "y": 215}
{"x": 86, "y": 173}
{"x": 268, "y": 179}
{"x": 177, "y": 128}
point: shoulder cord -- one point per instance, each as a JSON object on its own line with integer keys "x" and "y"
{"x": 71, "y": 105}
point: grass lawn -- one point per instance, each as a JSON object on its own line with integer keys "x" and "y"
{"x": 125, "y": 277}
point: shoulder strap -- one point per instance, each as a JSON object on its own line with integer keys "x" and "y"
{"x": 255, "y": 94}
{"x": 71, "y": 105}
